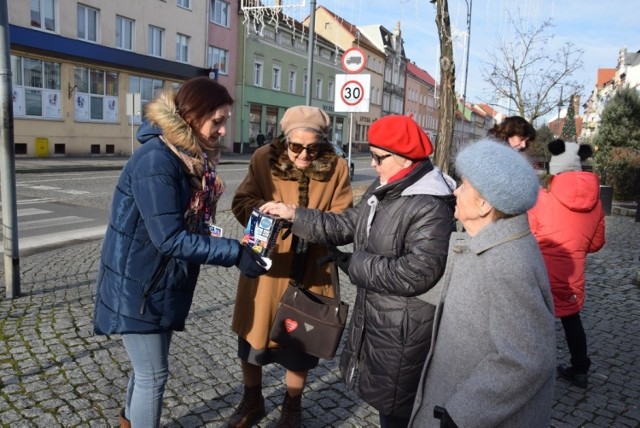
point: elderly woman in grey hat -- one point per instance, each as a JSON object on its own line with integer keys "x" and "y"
{"x": 299, "y": 167}
{"x": 492, "y": 359}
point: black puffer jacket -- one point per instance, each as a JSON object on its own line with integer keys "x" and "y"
{"x": 400, "y": 234}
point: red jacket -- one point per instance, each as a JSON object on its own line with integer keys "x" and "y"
{"x": 568, "y": 222}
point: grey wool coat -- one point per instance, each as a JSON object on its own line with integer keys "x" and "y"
{"x": 492, "y": 357}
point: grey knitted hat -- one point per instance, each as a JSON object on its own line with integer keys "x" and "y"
{"x": 500, "y": 174}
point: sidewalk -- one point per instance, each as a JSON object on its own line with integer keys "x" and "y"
{"x": 97, "y": 163}
{"x": 55, "y": 373}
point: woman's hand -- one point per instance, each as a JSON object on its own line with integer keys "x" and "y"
{"x": 280, "y": 209}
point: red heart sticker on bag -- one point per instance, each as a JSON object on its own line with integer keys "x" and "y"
{"x": 290, "y": 325}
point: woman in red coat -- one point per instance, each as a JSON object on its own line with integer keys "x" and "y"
{"x": 568, "y": 222}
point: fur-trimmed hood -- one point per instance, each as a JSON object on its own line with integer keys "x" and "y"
{"x": 164, "y": 119}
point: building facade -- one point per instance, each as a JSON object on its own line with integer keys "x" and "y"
{"x": 73, "y": 64}
{"x": 420, "y": 99}
{"x": 395, "y": 67}
{"x": 272, "y": 76}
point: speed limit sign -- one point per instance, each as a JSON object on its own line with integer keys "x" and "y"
{"x": 352, "y": 92}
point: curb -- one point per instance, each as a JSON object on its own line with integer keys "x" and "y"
{"x": 49, "y": 169}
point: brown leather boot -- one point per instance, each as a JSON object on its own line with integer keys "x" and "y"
{"x": 291, "y": 412}
{"x": 124, "y": 422}
{"x": 250, "y": 410}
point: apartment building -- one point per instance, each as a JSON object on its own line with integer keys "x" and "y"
{"x": 272, "y": 76}
{"x": 420, "y": 101}
{"x": 74, "y": 62}
{"x": 395, "y": 67}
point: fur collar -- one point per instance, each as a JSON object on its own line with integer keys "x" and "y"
{"x": 321, "y": 168}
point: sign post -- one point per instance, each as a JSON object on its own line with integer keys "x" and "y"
{"x": 352, "y": 91}
{"x": 133, "y": 109}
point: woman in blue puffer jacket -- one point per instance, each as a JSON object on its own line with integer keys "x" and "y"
{"x": 161, "y": 229}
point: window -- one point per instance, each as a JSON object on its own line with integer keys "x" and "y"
{"x": 305, "y": 84}
{"x": 96, "y": 96}
{"x": 124, "y": 33}
{"x": 292, "y": 81}
{"x": 87, "y": 20}
{"x": 319, "y": 88}
{"x": 156, "y": 41}
{"x": 257, "y": 73}
{"x": 182, "y": 48}
{"x": 276, "y": 78}
{"x": 219, "y": 12}
{"x": 43, "y": 14}
{"x": 148, "y": 90}
{"x": 218, "y": 58}
{"x": 36, "y": 88}
{"x": 331, "y": 94}
{"x": 184, "y": 3}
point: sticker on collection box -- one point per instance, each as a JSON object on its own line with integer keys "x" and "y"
{"x": 261, "y": 232}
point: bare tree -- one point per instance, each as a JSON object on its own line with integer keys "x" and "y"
{"x": 447, "y": 102}
{"x": 527, "y": 72}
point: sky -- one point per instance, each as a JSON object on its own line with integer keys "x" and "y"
{"x": 600, "y": 28}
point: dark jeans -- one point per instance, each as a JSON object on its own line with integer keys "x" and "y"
{"x": 390, "y": 421}
{"x": 577, "y": 342}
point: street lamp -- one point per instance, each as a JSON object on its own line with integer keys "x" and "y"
{"x": 466, "y": 67}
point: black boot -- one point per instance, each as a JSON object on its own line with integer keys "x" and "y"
{"x": 250, "y": 410}
{"x": 580, "y": 380}
{"x": 291, "y": 412}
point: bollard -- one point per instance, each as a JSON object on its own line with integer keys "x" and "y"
{"x": 606, "y": 197}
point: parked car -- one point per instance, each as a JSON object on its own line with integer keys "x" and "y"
{"x": 341, "y": 153}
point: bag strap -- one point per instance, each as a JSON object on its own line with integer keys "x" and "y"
{"x": 335, "y": 280}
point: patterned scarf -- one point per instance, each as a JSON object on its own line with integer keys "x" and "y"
{"x": 206, "y": 189}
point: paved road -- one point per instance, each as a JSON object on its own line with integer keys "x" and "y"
{"x": 55, "y": 373}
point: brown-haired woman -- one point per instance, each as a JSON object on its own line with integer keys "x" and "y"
{"x": 161, "y": 229}
{"x": 515, "y": 131}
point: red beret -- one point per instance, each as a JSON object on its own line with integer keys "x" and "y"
{"x": 400, "y": 135}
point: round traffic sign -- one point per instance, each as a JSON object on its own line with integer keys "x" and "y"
{"x": 352, "y": 92}
{"x": 354, "y": 60}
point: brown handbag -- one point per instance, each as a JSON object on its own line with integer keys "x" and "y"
{"x": 309, "y": 322}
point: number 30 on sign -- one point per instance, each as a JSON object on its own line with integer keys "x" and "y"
{"x": 352, "y": 92}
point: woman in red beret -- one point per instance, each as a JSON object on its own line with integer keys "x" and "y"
{"x": 400, "y": 234}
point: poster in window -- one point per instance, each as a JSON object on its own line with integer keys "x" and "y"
{"x": 111, "y": 109}
{"x": 18, "y": 101}
{"x": 51, "y": 104}
{"x": 82, "y": 106}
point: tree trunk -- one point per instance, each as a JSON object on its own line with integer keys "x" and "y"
{"x": 443, "y": 149}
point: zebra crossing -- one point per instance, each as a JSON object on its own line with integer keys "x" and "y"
{"x": 43, "y": 222}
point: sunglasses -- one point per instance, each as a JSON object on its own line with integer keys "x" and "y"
{"x": 379, "y": 158}
{"x": 297, "y": 148}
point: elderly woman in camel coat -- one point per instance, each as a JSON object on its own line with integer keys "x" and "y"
{"x": 299, "y": 167}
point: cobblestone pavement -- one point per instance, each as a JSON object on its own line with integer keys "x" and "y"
{"x": 55, "y": 373}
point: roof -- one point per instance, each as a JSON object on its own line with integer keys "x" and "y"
{"x": 605, "y": 75}
{"x": 359, "y": 37}
{"x": 487, "y": 109}
{"x": 421, "y": 74}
